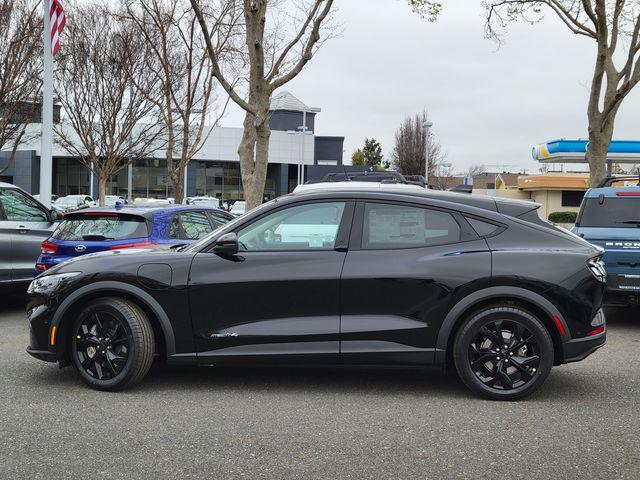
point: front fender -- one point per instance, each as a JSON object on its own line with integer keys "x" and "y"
{"x": 124, "y": 288}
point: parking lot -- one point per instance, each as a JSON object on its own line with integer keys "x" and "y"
{"x": 318, "y": 423}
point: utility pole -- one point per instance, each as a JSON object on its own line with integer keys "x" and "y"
{"x": 427, "y": 150}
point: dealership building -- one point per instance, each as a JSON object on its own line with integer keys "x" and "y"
{"x": 295, "y": 153}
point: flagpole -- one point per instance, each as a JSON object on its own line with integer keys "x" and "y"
{"x": 46, "y": 170}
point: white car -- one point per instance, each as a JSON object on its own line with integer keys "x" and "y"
{"x": 238, "y": 208}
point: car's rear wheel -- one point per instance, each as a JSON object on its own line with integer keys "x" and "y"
{"x": 503, "y": 353}
{"x": 112, "y": 345}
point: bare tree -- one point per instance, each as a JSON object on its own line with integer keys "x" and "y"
{"x": 410, "y": 148}
{"x": 20, "y": 71}
{"x": 280, "y": 38}
{"x": 182, "y": 68}
{"x": 476, "y": 169}
{"x": 614, "y": 26}
{"x": 104, "y": 85}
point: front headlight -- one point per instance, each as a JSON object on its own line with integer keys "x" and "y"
{"x": 596, "y": 266}
{"x": 50, "y": 282}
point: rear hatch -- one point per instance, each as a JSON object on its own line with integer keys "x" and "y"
{"x": 613, "y": 223}
{"x": 90, "y": 232}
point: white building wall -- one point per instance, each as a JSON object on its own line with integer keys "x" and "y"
{"x": 221, "y": 145}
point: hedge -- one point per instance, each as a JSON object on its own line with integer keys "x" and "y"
{"x": 563, "y": 217}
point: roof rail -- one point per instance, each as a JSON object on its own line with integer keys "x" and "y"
{"x": 609, "y": 181}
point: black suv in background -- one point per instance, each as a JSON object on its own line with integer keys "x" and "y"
{"x": 344, "y": 276}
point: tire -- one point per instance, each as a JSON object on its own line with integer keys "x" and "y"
{"x": 507, "y": 366}
{"x": 115, "y": 351}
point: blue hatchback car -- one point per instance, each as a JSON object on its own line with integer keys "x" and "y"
{"x": 99, "y": 229}
{"x": 610, "y": 218}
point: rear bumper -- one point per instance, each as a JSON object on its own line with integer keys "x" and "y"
{"x": 580, "y": 348}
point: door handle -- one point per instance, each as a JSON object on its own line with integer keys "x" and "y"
{"x": 22, "y": 229}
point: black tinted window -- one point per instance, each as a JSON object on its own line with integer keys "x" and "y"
{"x": 482, "y": 228}
{"x": 96, "y": 227}
{"x": 399, "y": 226}
{"x": 613, "y": 212}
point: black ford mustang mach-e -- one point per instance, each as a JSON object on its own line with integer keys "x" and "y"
{"x": 348, "y": 276}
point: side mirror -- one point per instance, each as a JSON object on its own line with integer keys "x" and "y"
{"x": 227, "y": 244}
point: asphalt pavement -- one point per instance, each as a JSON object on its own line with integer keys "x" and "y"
{"x": 219, "y": 423}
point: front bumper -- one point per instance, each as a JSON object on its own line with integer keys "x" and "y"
{"x": 39, "y": 317}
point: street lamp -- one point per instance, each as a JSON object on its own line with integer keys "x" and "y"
{"x": 427, "y": 125}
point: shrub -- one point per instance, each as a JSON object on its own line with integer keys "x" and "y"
{"x": 563, "y": 217}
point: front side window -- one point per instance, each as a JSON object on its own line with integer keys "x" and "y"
{"x": 305, "y": 227}
{"x": 189, "y": 226}
{"x": 398, "y": 226}
{"x": 20, "y": 208}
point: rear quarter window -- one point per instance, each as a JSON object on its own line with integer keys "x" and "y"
{"x": 96, "y": 227}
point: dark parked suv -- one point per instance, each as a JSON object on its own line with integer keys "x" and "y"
{"x": 336, "y": 277}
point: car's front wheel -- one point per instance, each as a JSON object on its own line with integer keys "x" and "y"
{"x": 503, "y": 353}
{"x": 112, "y": 345}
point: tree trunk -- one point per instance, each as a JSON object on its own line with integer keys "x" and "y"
{"x": 177, "y": 180}
{"x": 262, "y": 161}
{"x": 246, "y": 152}
{"x": 102, "y": 189}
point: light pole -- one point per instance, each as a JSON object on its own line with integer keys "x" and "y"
{"x": 427, "y": 126}
{"x": 303, "y": 131}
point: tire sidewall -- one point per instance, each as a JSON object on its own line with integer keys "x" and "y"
{"x": 104, "y": 306}
{"x": 468, "y": 333}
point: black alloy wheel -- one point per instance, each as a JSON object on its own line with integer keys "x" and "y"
{"x": 102, "y": 345}
{"x": 503, "y": 353}
{"x": 113, "y": 344}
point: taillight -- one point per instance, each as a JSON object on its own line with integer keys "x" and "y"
{"x": 131, "y": 245}
{"x": 41, "y": 267}
{"x": 627, "y": 194}
{"x": 48, "y": 248}
{"x": 595, "y": 332}
{"x": 596, "y": 267}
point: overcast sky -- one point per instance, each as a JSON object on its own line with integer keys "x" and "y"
{"x": 489, "y": 105}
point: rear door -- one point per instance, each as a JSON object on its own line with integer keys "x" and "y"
{"x": 406, "y": 264}
{"x": 27, "y": 223}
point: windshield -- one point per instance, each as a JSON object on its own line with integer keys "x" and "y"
{"x": 617, "y": 212}
{"x": 98, "y": 228}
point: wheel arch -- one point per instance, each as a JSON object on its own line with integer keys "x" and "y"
{"x": 533, "y": 302}
{"x": 72, "y": 305}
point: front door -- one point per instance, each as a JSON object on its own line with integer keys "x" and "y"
{"x": 278, "y": 299}
{"x": 29, "y": 225}
{"x": 406, "y": 263}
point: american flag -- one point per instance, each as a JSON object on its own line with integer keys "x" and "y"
{"x": 58, "y": 20}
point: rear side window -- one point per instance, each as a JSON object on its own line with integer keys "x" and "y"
{"x": 98, "y": 228}
{"x": 483, "y": 229}
{"x": 190, "y": 225}
{"x": 619, "y": 212}
{"x": 398, "y": 226}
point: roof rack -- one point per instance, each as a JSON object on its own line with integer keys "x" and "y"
{"x": 609, "y": 181}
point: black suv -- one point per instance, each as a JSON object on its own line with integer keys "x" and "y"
{"x": 336, "y": 277}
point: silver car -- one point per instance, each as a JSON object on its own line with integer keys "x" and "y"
{"x": 24, "y": 224}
